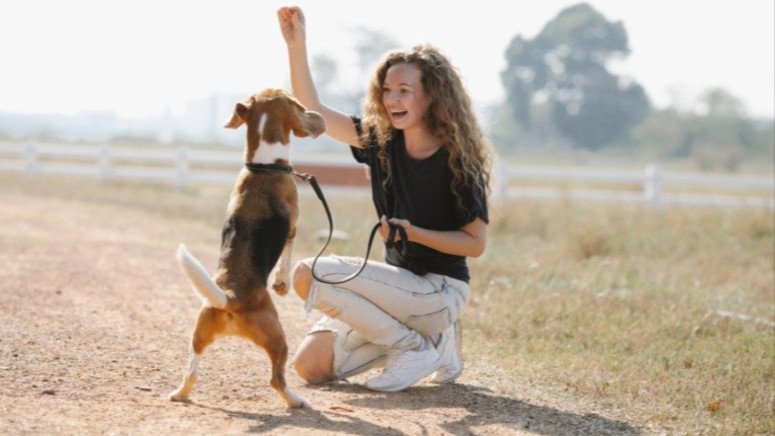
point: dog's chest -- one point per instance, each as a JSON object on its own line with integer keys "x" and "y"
{"x": 259, "y": 196}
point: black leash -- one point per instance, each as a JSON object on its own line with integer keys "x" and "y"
{"x": 309, "y": 178}
{"x": 390, "y": 242}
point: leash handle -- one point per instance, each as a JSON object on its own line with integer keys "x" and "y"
{"x": 391, "y": 239}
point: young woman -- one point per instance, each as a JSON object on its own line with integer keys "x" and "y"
{"x": 430, "y": 170}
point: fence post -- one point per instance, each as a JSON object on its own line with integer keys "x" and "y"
{"x": 30, "y": 159}
{"x": 182, "y": 166}
{"x": 105, "y": 164}
{"x": 652, "y": 186}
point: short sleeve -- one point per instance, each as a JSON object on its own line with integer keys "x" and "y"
{"x": 474, "y": 204}
{"x": 361, "y": 155}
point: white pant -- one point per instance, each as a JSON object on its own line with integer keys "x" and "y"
{"x": 384, "y": 307}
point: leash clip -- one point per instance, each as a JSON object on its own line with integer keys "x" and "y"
{"x": 304, "y": 176}
{"x": 309, "y": 178}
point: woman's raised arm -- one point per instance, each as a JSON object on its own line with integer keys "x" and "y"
{"x": 338, "y": 125}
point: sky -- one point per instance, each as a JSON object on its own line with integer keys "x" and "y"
{"x": 138, "y": 58}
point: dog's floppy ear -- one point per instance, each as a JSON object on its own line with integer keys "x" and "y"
{"x": 239, "y": 117}
{"x": 313, "y": 125}
{"x": 307, "y": 123}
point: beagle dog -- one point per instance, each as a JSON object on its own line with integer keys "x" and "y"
{"x": 259, "y": 230}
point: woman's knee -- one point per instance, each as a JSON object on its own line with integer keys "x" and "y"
{"x": 302, "y": 279}
{"x": 312, "y": 372}
{"x": 315, "y": 357}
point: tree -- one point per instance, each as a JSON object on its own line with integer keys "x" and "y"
{"x": 566, "y": 63}
{"x": 716, "y": 135}
{"x": 720, "y": 103}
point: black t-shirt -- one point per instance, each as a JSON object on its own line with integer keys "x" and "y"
{"x": 420, "y": 191}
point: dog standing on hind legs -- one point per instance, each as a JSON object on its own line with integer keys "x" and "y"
{"x": 259, "y": 230}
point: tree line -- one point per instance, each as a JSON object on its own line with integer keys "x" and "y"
{"x": 561, "y": 93}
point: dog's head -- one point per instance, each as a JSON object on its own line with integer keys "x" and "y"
{"x": 270, "y": 116}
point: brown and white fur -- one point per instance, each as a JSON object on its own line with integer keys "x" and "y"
{"x": 260, "y": 225}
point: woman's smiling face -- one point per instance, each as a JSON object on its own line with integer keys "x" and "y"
{"x": 403, "y": 96}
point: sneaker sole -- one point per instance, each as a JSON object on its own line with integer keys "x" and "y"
{"x": 433, "y": 367}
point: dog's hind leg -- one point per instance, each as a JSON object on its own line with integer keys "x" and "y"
{"x": 181, "y": 393}
{"x": 204, "y": 335}
{"x": 269, "y": 335}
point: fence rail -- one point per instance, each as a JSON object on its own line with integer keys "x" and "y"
{"x": 182, "y": 166}
{"x": 656, "y": 186}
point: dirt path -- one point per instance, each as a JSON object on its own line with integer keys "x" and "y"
{"x": 95, "y": 321}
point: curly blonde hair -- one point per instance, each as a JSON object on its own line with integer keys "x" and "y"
{"x": 449, "y": 117}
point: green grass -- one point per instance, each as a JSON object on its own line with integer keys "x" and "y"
{"x": 621, "y": 305}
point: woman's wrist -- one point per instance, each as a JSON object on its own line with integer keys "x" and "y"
{"x": 411, "y": 232}
{"x": 297, "y": 48}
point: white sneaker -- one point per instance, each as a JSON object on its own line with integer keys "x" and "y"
{"x": 405, "y": 368}
{"x": 452, "y": 359}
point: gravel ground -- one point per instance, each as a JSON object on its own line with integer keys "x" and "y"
{"x": 96, "y": 319}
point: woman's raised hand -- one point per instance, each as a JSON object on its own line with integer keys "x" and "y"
{"x": 292, "y": 24}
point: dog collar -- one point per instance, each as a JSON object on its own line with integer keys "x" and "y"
{"x": 268, "y": 168}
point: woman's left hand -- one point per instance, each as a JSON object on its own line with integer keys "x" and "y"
{"x": 384, "y": 229}
{"x": 469, "y": 240}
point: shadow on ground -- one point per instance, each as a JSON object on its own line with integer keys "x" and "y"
{"x": 476, "y": 407}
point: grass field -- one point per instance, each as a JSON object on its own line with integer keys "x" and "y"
{"x": 665, "y": 313}
{"x": 629, "y": 307}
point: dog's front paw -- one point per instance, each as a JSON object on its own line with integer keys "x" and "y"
{"x": 280, "y": 287}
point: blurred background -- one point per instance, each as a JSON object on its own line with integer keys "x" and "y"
{"x": 688, "y": 84}
{"x": 598, "y": 308}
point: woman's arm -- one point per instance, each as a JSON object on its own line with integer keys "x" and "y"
{"x": 469, "y": 240}
{"x": 338, "y": 125}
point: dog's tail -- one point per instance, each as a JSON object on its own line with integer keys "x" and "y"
{"x": 203, "y": 284}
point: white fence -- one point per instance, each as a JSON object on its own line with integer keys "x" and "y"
{"x": 654, "y": 186}
{"x": 118, "y": 163}
{"x": 183, "y": 166}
